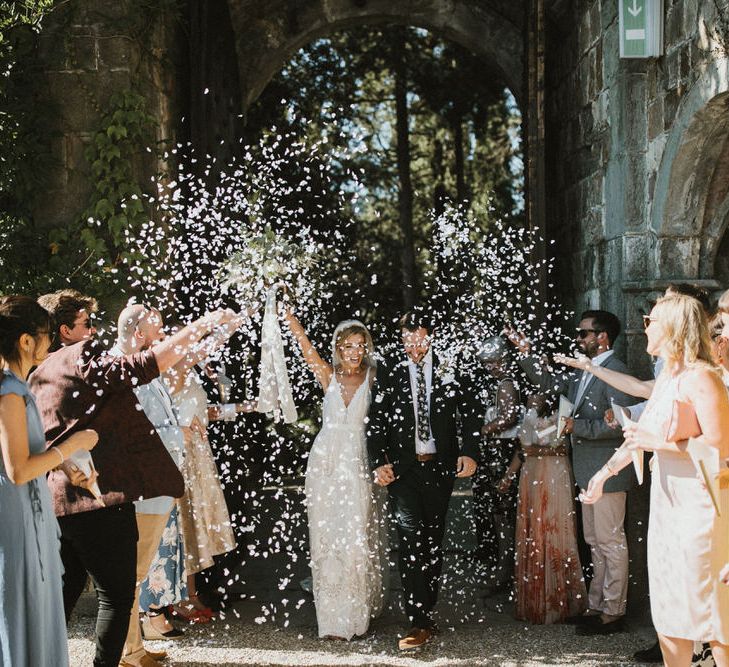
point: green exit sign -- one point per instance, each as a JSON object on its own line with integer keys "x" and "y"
{"x": 641, "y": 28}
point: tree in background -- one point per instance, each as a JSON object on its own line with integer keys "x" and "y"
{"x": 423, "y": 124}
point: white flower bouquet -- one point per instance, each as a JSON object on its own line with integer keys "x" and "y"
{"x": 263, "y": 259}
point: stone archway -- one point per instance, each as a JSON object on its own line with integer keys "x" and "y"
{"x": 690, "y": 210}
{"x": 267, "y": 34}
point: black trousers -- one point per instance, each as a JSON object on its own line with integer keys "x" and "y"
{"x": 495, "y": 512}
{"x": 102, "y": 543}
{"x": 420, "y": 502}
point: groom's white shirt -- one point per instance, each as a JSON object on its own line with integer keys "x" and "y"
{"x": 420, "y": 446}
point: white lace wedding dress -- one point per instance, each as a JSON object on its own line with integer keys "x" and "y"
{"x": 347, "y": 521}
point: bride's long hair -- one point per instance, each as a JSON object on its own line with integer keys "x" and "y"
{"x": 343, "y": 331}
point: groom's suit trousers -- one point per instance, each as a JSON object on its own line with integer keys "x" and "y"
{"x": 420, "y": 502}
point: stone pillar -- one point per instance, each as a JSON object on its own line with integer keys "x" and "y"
{"x": 535, "y": 153}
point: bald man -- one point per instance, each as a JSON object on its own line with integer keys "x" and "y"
{"x": 82, "y": 386}
{"x": 139, "y": 329}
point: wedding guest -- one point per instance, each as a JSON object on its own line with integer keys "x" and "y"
{"x": 688, "y": 602}
{"x": 346, "y": 514}
{"x": 593, "y": 442}
{"x": 549, "y": 582}
{"x": 32, "y": 627}
{"x": 494, "y": 483}
{"x": 204, "y": 522}
{"x": 419, "y": 410}
{"x": 138, "y": 329}
{"x": 71, "y": 316}
{"x": 81, "y": 386}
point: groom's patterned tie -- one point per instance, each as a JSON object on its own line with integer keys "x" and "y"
{"x": 423, "y": 418}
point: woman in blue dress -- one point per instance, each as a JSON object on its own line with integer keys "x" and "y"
{"x": 32, "y": 623}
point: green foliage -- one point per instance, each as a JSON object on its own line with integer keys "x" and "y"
{"x": 95, "y": 244}
{"x": 464, "y": 141}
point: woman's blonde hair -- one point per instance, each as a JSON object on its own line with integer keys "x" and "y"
{"x": 686, "y": 330}
{"x": 346, "y": 329}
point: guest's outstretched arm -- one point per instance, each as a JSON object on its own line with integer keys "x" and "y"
{"x": 175, "y": 377}
{"x": 621, "y": 381}
{"x": 321, "y": 369}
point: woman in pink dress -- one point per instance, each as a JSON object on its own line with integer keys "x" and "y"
{"x": 549, "y": 582}
{"x": 687, "y": 539}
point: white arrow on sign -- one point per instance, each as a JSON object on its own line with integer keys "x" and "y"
{"x": 635, "y": 9}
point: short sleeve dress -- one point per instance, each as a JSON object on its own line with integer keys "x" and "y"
{"x": 32, "y": 621}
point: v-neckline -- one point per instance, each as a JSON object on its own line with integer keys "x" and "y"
{"x": 354, "y": 396}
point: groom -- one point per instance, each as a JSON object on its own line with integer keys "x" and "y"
{"x": 413, "y": 448}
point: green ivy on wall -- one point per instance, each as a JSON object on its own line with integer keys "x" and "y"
{"x": 97, "y": 241}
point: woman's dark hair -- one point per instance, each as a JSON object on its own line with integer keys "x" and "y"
{"x": 20, "y": 315}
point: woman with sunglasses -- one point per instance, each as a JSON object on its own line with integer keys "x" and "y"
{"x": 32, "y": 622}
{"x": 687, "y": 538}
{"x": 346, "y": 513}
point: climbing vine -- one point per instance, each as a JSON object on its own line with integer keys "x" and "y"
{"x": 87, "y": 252}
{"x": 95, "y": 244}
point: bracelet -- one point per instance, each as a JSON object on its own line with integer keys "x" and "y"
{"x": 610, "y": 470}
{"x": 59, "y": 452}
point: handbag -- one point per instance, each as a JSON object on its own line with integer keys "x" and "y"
{"x": 683, "y": 423}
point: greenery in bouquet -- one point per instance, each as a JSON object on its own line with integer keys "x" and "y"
{"x": 265, "y": 258}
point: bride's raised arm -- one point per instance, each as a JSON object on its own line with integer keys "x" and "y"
{"x": 620, "y": 381}
{"x": 321, "y": 369}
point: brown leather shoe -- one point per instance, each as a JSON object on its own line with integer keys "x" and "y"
{"x": 416, "y": 637}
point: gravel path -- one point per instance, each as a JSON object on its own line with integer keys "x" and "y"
{"x": 486, "y": 638}
{"x": 472, "y": 633}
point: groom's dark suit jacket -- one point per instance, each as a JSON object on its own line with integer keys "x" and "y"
{"x": 391, "y": 424}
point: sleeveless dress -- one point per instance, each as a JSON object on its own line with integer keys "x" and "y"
{"x": 548, "y": 575}
{"x": 203, "y": 514}
{"x": 32, "y": 621}
{"x": 347, "y": 528}
{"x": 687, "y": 542}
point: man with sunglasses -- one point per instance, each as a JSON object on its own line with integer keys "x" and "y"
{"x": 593, "y": 442}
{"x": 72, "y": 315}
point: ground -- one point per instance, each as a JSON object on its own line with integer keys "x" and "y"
{"x": 472, "y": 633}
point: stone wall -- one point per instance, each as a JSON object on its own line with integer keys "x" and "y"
{"x": 88, "y": 52}
{"x": 638, "y": 158}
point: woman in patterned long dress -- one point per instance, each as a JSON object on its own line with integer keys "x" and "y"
{"x": 687, "y": 539}
{"x": 347, "y": 530}
{"x": 549, "y": 582}
{"x": 32, "y": 622}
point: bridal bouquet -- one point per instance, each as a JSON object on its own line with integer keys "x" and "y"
{"x": 264, "y": 259}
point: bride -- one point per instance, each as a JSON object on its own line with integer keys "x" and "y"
{"x": 347, "y": 528}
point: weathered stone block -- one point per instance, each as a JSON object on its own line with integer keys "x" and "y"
{"x": 670, "y": 106}
{"x": 678, "y": 258}
{"x": 82, "y": 52}
{"x": 655, "y": 119}
{"x": 673, "y": 26}
{"x": 672, "y": 69}
{"x": 117, "y": 53}
{"x": 636, "y": 256}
